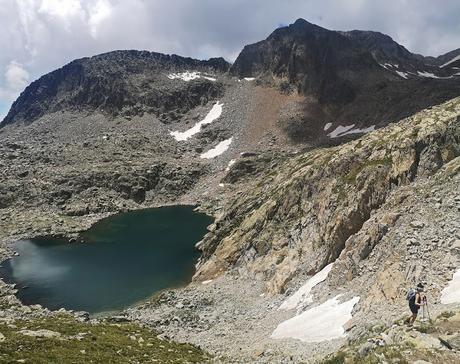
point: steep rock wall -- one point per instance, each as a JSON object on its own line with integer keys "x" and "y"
{"x": 299, "y": 215}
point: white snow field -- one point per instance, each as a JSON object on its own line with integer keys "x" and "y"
{"x": 214, "y": 114}
{"x": 327, "y": 126}
{"x": 217, "y": 150}
{"x": 451, "y": 61}
{"x": 431, "y": 75}
{"x": 189, "y": 76}
{"x": 320, "y": 323}
{"x": 348, "y": 129}
{"x": 339, "y": 130}
{"x": 302, "y": 295}
{"x": 451, "y": 294}
{"x": 231, "y": 163}
{"x": 402, "y": 74}
{"x": 359, "y": 131}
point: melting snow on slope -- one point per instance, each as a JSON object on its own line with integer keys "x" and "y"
{"x": 302, "y": 295}
{"x": 327, "y": 126}
{"x": 359, "y": 131}
{"x": 339, "y": 130}
{"x": 346, "y": 130}
{"x": 321, "y": 323}
{"x": 430, "y": 75}
{"x": 217, "y": 150}
{"x": 249, "y": 78}
{"x": 451, "y": 61}
{"x": 215, "y": 112}
{"x": 402, "y": 74}
{"x": 388, "y": 67}
{"x": 451, "y": 294}
{"x": 188, "y": 76}
{"x": 231, "y": 163}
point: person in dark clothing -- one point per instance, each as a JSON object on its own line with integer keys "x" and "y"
{"x": 415, "y": 302}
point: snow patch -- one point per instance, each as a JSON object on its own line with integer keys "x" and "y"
{"x": 320, "y": 323}
{"x": 327, "y": 126}
{"x": 430, "y": 75}
{"x": 249, "y": 78}
{"x": 387, "y": 66}
{"x": 302, "y": 295}
{"x": 206, "y": 282}
{"x": 346, "y": 130}
{"x": 451, "y": 294}
{"x": 451, "y": 61}
{"x": 339, "y": 130}
{"x": 210, "y": 78}
{"x": 360, "y": 131}
{"x": 231, "y": 163}
{"x": 217, "y": 150}
{"x": 189, "y": 76}
{"x": 402, "y": 74}
{"x": 214, "y": 114}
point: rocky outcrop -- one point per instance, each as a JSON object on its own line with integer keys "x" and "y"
{"x": 298, "y": 216}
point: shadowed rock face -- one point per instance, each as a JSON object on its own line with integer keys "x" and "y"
{"x": 358, "y": 77}
{"x": 123, "y": 83}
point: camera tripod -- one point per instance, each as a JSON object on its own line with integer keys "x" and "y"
{"x": 425, "y": 310}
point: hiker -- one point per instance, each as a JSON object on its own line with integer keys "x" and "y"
{"x": 414, "y": 296}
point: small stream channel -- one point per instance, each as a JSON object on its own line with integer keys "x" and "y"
{"x": 125, "y": 258}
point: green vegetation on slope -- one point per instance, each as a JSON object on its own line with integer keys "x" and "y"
{"x": 71, "y": 341}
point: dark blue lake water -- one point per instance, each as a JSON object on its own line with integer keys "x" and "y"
{"x": 125, "y": 259}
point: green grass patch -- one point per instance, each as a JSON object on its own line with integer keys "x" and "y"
{"x": 350, "y": 177}
{"x": 91, "y": 343}
{"x": 446, "y": 314}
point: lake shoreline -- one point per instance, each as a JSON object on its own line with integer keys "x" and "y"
{"x": 137, "y": 234}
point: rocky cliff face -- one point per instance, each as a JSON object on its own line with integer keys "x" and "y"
{"x": 299, "y": 216}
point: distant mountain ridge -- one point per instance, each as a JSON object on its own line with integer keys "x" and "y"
{"x": 356, "y": 78}
{"x": 118, "y": 82}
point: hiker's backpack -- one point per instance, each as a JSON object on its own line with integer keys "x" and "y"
{"x": 411, "y": 294}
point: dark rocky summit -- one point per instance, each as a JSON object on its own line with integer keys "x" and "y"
{"x": 358, "y": 77}
{"x": 122, "y": 83}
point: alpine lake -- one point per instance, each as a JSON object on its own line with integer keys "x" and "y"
{"x": 124, "y": 259}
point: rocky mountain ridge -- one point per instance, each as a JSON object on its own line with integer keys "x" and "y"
{"x": 357, "y": 77}
{"x": 358, "y": 80}
{"x": 118, "y": 83}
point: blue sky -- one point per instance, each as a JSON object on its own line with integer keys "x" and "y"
{"x": 39, "y": 36}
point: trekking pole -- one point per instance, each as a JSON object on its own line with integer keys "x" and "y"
{"x": 427, "y": 310}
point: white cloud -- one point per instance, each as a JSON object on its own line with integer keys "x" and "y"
{"x": 97, "y": 14}
{"x": 16, "y": 79}
{"x": 63, "y": 9}
{"x": 16, "y": 76}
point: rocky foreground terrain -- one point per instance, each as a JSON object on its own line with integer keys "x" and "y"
{"x": 324, "y": 200}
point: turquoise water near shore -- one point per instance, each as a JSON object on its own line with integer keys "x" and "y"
{"x": 124, "y": 259}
